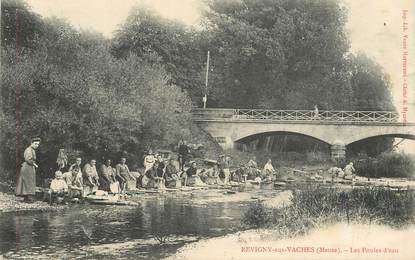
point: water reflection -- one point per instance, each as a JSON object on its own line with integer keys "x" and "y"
{"x": 79, "y": 230}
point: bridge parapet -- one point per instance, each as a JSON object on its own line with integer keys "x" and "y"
{"x": 383, "y": 117}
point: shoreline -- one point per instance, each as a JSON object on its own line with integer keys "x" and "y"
{"x": 341, "y": 240}
{"x": 9, "y": 203}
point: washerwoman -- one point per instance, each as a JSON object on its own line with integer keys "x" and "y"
{"x": 26, "y": 182}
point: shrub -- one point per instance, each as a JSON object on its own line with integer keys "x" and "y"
{"x": 387, "y": 165}
{"x": 316, "y": 206}
{"x": 257, "y": 215}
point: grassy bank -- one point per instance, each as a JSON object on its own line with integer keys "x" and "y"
{"x": 317, "y": 207}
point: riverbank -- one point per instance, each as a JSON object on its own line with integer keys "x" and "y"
{"x": 320, "y": 222}
{"x": 340, "y": 241}
{"x": 9, "y": 203}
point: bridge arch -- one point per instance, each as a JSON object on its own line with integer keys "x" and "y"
{"x": 404, "y": 135}
{"x": 245, "y": 130}
{"x": 246, "y": 138}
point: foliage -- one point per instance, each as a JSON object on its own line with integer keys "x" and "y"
{"x": 105, "y": 98}
{"x": 371, "y": 146}
{"x": 257, "y": 215}
{"x": 277, "y": 54}
{"x": 177, "y": 47}
{"x": 72, "y": 92}
{"x": 317, "y": 206}
{"x": 19, "y": 24}
{"x": 390, "y": 164}
{"x": 370, "y": 84}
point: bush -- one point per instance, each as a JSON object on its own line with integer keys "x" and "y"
{"x": 371, "y": 204}
{"x": 317, "y": 206}
{"x": 387, "y": 165}
{"x": 257, "y": 215}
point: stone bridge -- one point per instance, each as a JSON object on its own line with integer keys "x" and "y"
{"x": 336, "y": 128}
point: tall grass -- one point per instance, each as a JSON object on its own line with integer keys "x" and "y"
{"x": 317, "y": 206}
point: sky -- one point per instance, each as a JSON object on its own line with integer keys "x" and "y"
{"x": 374, "y": 27}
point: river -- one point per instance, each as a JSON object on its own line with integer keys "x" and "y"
{"x": 97, "y": 231}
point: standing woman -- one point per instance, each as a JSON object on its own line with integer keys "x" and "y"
{"x": 26, "y": 182}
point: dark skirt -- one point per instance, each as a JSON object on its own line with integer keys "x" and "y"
{"x": 104, "y": 184}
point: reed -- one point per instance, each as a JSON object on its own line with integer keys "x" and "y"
{"x": 315, "y": 207}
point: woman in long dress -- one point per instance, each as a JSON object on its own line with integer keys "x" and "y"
{"x": 26, "y": 182}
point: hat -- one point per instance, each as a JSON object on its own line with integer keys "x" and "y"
{"x": 35, "y": 139}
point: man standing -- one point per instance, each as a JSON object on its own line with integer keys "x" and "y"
{"x": 224, "y": 163}
{"x": 315, "y": 114}
{"x": 183, "y": 154}
{"x": 26, "y": 182}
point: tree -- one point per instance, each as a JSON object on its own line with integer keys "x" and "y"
{"x": 370, "y": 84}
{"x": 72, "y": 92}
{"x": 279, "y": 54}
{"x": 20, "y": 26}
{"x": 176, "y": 46}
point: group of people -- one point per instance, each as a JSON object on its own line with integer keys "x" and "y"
{"x": 76, "y": 181}
{"x": 79, "y": 181}
{"x": 160, "y": 173}
{"x": 348, "y": 173}
{"x": 251, "y": 171}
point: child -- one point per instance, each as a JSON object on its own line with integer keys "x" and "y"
{"x": 58, "y": 188}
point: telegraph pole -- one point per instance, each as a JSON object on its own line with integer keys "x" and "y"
{"x": 206, "y": 81}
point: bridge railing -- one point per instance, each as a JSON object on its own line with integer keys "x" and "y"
{"x": 296, "y": 115}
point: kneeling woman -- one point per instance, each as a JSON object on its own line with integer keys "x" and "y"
{"x": 192, "y": 178}
{"x": 74, "y": 182}
{"x": 172, "y": 175}
{"x": 149, "y": 178}
{"x": 107, "y": 178}
{"x": 124, "y": 176}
